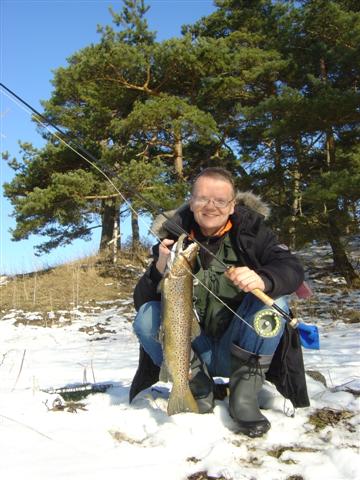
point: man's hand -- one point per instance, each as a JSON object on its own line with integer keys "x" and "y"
{"x": 164, "y": 253}
{"x": 245, "y": 279}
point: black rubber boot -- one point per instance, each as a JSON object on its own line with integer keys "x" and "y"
{"x": 201, "y": 385}
{"x": 246, "y": 380}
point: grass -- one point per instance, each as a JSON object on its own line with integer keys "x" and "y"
{"x": 72, "y": 285}
{"x": 277, "y": 452}
{"x": 328, "y": 417}
{"x": 352, "y": 316}
{"x": 203, "y": 475}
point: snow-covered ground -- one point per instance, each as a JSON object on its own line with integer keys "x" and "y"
{"x": 42, "y": 437}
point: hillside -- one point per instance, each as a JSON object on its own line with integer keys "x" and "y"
{"x": 90, "y": 282}
{"x": 79, "y": 285}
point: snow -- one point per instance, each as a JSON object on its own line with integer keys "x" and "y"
{"x": 106, "y": 436}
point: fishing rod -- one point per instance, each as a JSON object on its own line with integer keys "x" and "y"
{"x": 92, "y": 160}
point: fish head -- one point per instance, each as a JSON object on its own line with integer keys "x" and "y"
{"x": 184, "y": 258}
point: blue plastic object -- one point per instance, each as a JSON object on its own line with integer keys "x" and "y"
{"x": 309, "y": 336}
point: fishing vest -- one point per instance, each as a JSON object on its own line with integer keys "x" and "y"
{"x": 215, "y": 317}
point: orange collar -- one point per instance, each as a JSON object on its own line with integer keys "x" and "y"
{"x": 224, "y": 229}
{"x": 219, "y": 233}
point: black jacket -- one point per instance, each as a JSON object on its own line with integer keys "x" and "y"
{"x": 282, "y": 274}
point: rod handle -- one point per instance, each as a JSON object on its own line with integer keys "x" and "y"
{"x": 263, "y": 297}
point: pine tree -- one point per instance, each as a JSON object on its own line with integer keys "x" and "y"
{"x": 56, "y": 192}
{"x": 288, "y": 131}
{"x": 326, "y": 49}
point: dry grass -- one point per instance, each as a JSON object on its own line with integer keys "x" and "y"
{"x": 278, "y": 451}
{"x": 352, "y": 316}
{"x": 324, "y": 417}
{"x": 124, "y": 437}
{"x": 71, "y": 285}
{"x": 203, "y": 475}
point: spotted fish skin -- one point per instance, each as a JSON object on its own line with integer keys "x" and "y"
{"x": 179, "y": 326}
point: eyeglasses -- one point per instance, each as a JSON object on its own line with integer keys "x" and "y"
{"x": 202, "y": 201}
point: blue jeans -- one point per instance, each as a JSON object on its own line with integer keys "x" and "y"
{"x": 215, "y": 352}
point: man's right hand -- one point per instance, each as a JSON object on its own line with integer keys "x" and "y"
{"x": 164, "y": 253}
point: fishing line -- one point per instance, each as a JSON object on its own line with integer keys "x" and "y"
{"x": 225, "y": 305}
{"x": 29, "y": 427}
{"x": 20, "y": 103}
{"x": 188, "y": 269}
{"x": 92, "y": 160}
{"x": 93, "y": 164}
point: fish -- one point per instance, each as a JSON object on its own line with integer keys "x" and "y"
{"x": 179, "y": 326}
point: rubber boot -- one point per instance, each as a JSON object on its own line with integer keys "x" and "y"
{"x": 201, "y": 385}
{"x": 247, "y": 378}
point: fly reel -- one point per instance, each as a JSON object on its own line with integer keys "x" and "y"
{"x": 267, "y": 323}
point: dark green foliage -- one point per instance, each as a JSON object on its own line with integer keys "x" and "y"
{"x": 267, "y": 89}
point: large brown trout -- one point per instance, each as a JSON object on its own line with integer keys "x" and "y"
{"x": 179, "y": 326}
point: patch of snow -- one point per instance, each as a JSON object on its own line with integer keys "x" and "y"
{"x": 107, "y": 437}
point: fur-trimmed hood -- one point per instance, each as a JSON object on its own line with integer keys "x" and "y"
{"x": 254, "y": 202}
{"x": 160, "y": 225}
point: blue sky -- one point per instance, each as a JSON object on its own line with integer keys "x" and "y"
{"x": 36, "y": 37}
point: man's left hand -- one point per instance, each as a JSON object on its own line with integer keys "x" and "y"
{"x": 245, "y": 279}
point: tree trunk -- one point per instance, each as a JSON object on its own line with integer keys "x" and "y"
{"x": 279, "y": 172}
{"x": 135, "y": 231}
{"x": 296, "y": 194}
{"x": 355, "y": 215}
{"x": 296, "y": 205}
{"x": 115, "y": 240}
{"x": 341, "y": 262}
{"x": 108, "y": 217}
{"x": 178, "y": 154}
{"x": 277, "y": 155}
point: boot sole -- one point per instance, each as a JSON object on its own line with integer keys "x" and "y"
{"x": 253, "y": 431}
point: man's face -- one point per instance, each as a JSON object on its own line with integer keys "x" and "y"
{"x": 208, "y": 215}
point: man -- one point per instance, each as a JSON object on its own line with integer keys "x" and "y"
{"x": 229, "y": 345}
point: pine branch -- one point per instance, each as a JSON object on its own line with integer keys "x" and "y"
{"x": 102, "y": 197}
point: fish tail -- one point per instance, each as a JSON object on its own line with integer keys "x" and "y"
{"x": 181, "y": 401}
